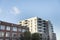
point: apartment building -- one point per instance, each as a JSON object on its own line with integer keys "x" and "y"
{"x": 54, "y": 36}
{"x": 10, "y": 31}
{"x": 50, "y": 30}
{"x": 31, "y": 23}
{"x": 39, "y": 25}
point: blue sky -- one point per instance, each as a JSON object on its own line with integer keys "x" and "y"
{"x": 16, "y": 10}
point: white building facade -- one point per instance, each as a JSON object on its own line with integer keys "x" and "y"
{"x": 39, "y": 25}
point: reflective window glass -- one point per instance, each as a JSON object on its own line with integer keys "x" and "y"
{"x": 1, "y": 39}
{"x": 23, "y": 30}
{"x": 7, "y": 34}
{"x": 14, "y": 34}
{"x": 1, "y": 34}
{"x": 19, "y": 29}
{"x": 2, "y": 27}
{"x": 14, "y": 29}
{"x": 7, "y": 28}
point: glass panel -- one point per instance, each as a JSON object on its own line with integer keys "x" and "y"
{"x": 39, "y": 30}
{"x": 19, "y": 29}
{"x": 39, "y": 27}
{"x": 1, "y": 39}
{"x": 14, "y": 29}
{"x": 7, "y": 28}
{"x": 7, "y": 34}
{"x": 2, "y": 27}
{"x": 1, "y": 34}
{"x": 23, "y": 30}
{"x": 14, "y": 34}
{"x": 39, "y": 24}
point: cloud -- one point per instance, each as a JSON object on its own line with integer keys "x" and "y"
{"x": 15, "y": 10}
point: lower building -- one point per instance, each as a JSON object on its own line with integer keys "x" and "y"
{"x": 54, "y": 36}
{"x": 10, "y": 31}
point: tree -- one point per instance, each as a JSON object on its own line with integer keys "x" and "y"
{"x": 21, "y": 37}
{"x": 27, "y": 35}
{"x": 35, "y": 36}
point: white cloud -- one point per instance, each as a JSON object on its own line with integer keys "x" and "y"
{"x": 15, "y": 10}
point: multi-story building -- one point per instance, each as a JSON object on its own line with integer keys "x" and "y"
{"x": 10, "y": 31}
{"x": 50, "y": 30}
{"x": 39, "y": 25}
{"x": 54, "y": 36}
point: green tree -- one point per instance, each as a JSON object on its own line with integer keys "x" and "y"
{"x": 36, "y": 36}
{"x": 27, "y": 35}
{"x": 21, "y": 37}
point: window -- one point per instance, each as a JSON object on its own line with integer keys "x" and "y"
{"x": 7, "y": 34}
{"x": 14, "y": 34}
{"x": 35, "y": 25}
{"x": 44, "y": 31}
{"x": 7, "y": 28}
{"x": 39, "y": 21}
{"x": 35, "y": 29}
{"x": 35, "y": 19}
{"x": 39, "y": 27}
{"x": 1, "y": 39}
{"x": 2, "y": 27}
{"x": 1, "y": 34}
{"x": 25, "y": 22}
{"x": 40, "y": 30}
{"x": 14, "y": 29}
{"x": 44, "y": 28}
{"x": 44, "y": 25}
{"x": 31, "y": 20}
{"x": 19, "y": 29}
{"x": 23, "y": 30}
{"x": 39, "y": 24}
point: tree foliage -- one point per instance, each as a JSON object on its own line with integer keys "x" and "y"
{"x": 36, "y": 36}
{"x": 27, "y": 35}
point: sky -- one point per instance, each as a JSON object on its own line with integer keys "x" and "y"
{"x": 16, "y": 10}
